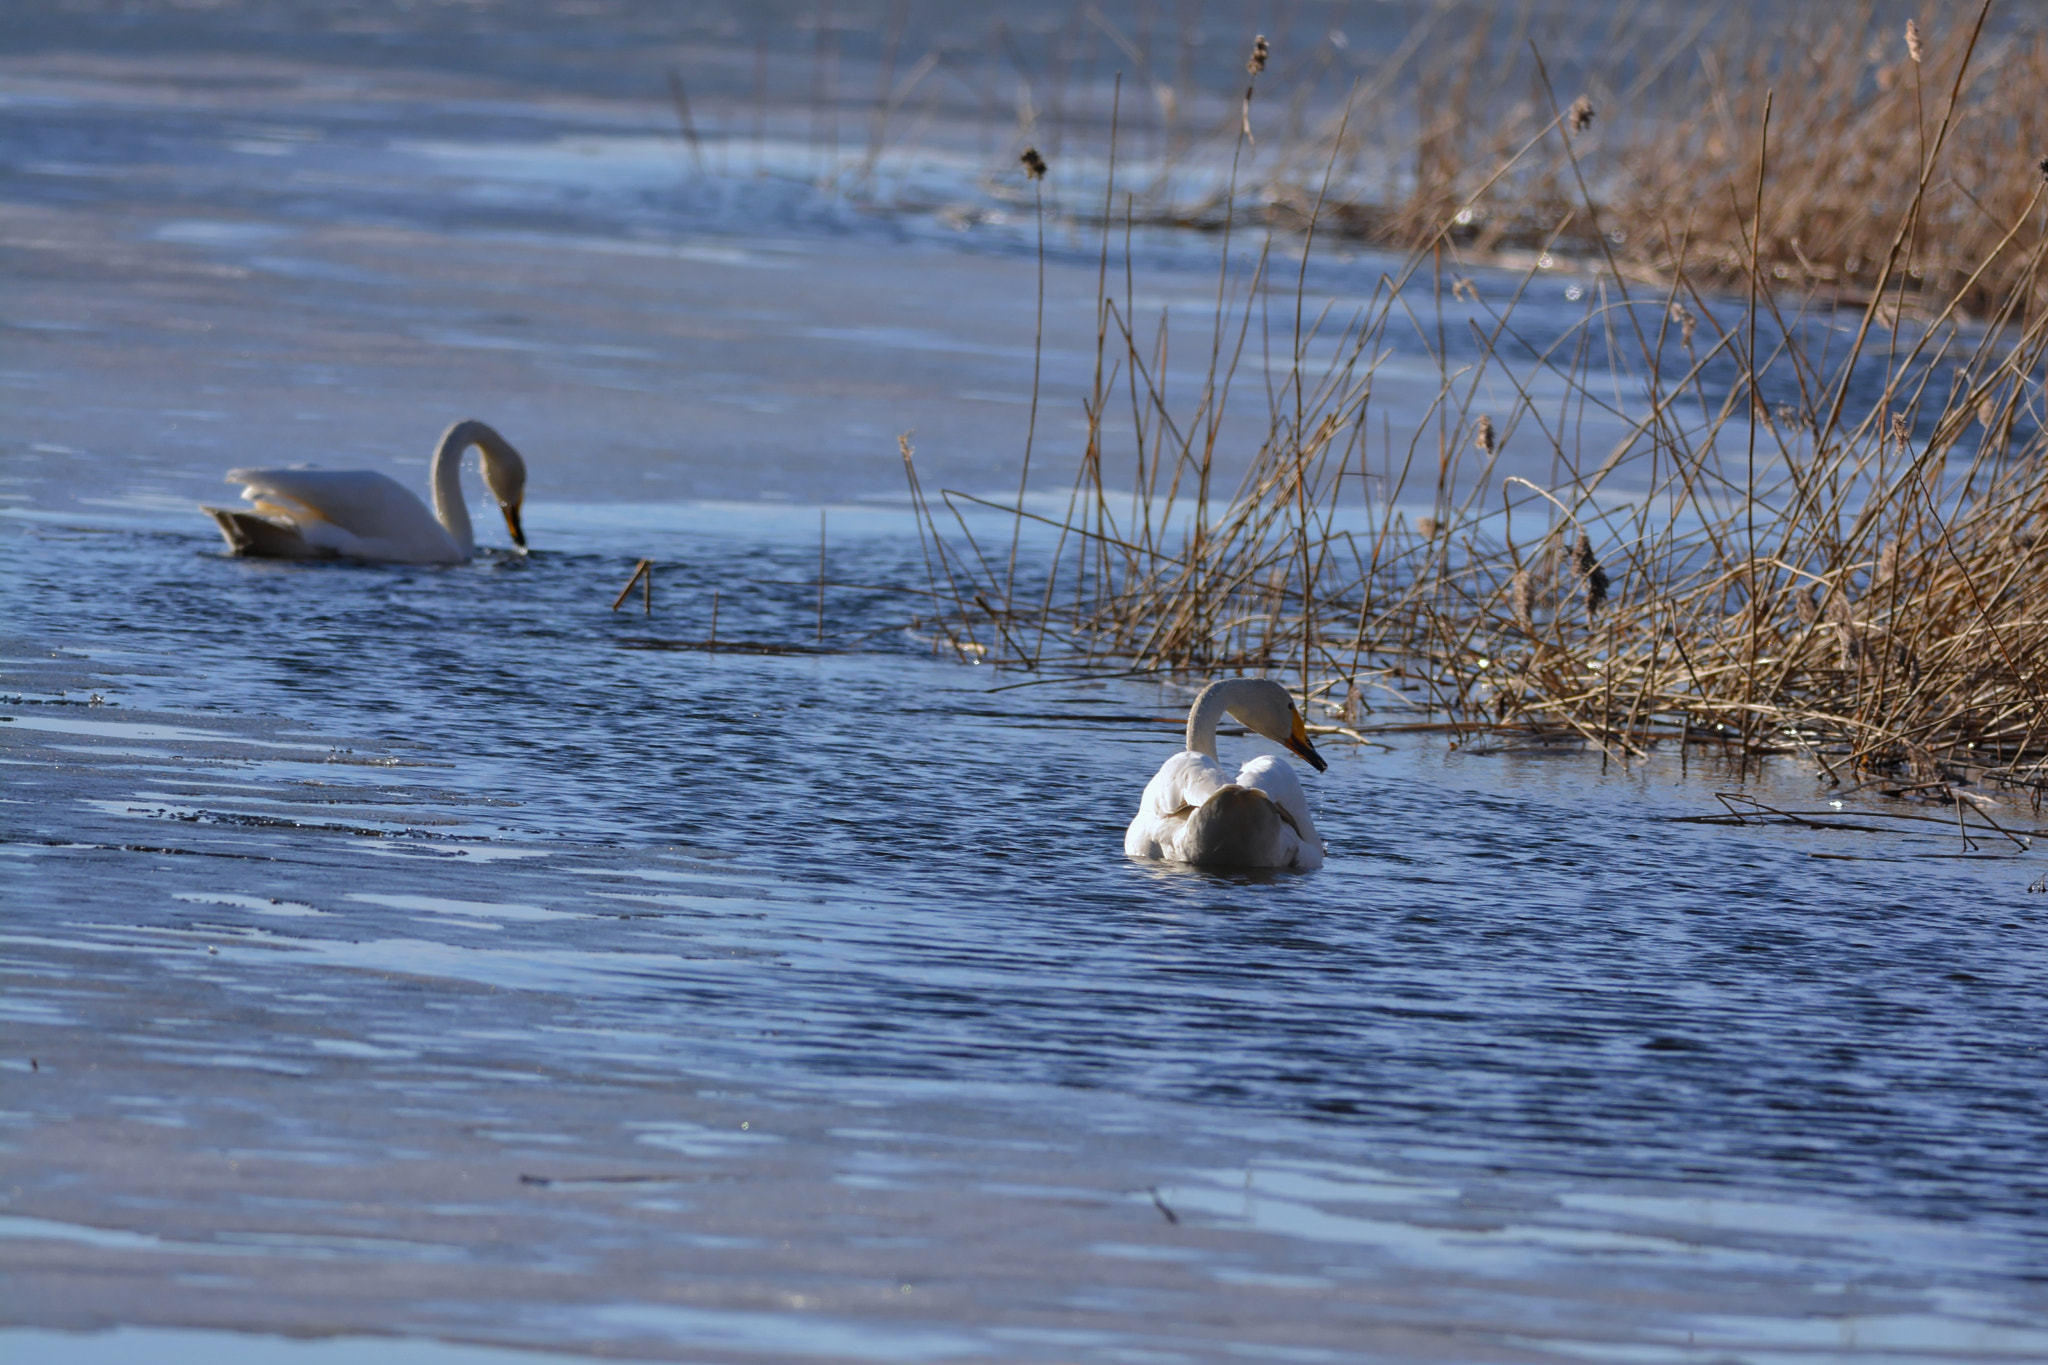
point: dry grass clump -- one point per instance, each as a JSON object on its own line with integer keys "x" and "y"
{"x": 1860, "y": 116}
{"x": 1863, "y": 125}
{"x": 1441, "y": 132}
{"x": 1770, "y": 523}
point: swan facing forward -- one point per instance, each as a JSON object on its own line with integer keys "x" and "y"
{"x": 361, "y": 514}
{"x": 1192, "y": 812}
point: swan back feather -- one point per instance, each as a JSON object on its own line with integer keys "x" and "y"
{"x": 357, "y": 513}
{"x": 1271, "y": 775}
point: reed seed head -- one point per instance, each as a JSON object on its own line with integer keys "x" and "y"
{"x": 1901, "y": 431}
{"x": 1852, "y": 651}
{"x": 1682, "y": 315}
{"x": 1913, "y": 47}
{"x": 1427, "y": 527}
{"x": 1485, "y": 437}
{"x": 1034, "y": 164}
{"x": 1907, "y": 664}
{"x": 1260, "y": 51}
{"x": 1588, "y": 568}
{"x": 1887, "y": 564}
{"x": 1522, "y": 601}
{"x": 1580, "y": 115}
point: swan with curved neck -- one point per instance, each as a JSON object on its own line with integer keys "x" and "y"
{"x": 362, "y": 514}
{"x": 1194, "y": 812}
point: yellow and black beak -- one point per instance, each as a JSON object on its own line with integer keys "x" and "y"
{"x": 1299, "y": 742}
{"x": 511, "y": 511}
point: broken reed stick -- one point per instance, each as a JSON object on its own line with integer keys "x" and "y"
{"x": 643, "y": 574}
{"x": 821, "y": 575}
{"x": 682, "y": 103}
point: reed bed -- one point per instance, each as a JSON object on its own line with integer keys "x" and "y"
{"x": 1775, "y": 515}
{"x": 1426, "y": 120}
{"x": 1668, "y": 126}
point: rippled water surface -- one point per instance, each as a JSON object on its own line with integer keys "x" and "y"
{"x": 414, "y": 946}
{"x": 440, "y": 953}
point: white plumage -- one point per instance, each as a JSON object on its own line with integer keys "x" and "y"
{"x": 1195, "y": 812}
{"x": 362, "y": 514}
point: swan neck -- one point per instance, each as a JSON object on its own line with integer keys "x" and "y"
{"x": 1206, "y": 714}
{"x": 447, "y": 480}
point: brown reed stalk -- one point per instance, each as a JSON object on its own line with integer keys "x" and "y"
{"x": 1854, "y": 593}
{"x": 1035, "y": 168}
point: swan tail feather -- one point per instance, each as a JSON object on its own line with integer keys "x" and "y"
{"x": 1238, "y": 827}
{"x": 249, "y": 534}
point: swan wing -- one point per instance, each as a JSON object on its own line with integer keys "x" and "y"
{"x": 1239, "y": 827}
{"x": 248, "y": 533}
{"x": 359, "y": 513}
{"x": 1180, "y": 786}
{"x": 1276, "y": 779}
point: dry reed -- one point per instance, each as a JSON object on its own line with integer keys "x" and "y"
{"x": 1858, "y": 123}
{"x": 1664, "y": 98}
{"x": 1782, "y": 541}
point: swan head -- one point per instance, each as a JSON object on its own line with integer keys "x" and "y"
{"x": 505, "y": 475}
{"x": 1265, "y": 708}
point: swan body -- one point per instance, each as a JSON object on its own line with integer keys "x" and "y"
{"x": 362, "y": 514}
{"x": 1195, "y": 812}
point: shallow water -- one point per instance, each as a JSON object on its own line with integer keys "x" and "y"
{"x": 428, "y": 952}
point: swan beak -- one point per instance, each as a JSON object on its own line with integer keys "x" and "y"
{"x": 1299, "y": 742}
{"x": 511, "y": 511}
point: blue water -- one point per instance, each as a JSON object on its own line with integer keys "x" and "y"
{"x": 327, "y": 817}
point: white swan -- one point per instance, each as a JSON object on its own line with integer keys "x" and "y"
{"x": 361, "y": 514}
{"x": 1192, "y": 812}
